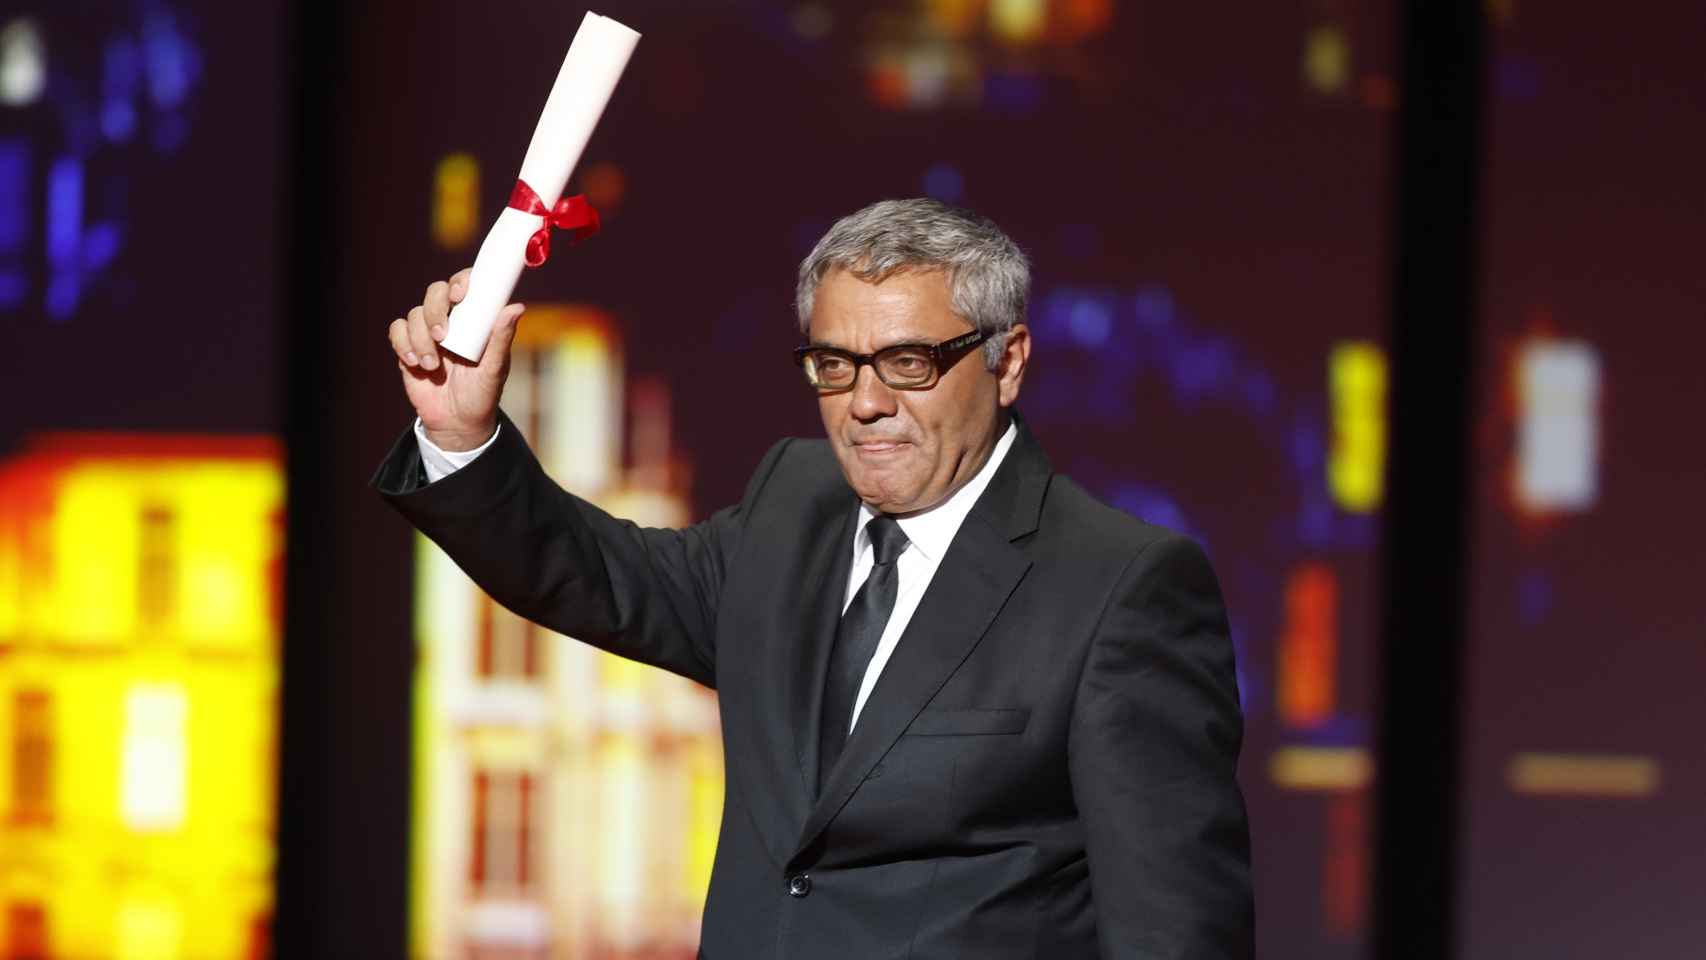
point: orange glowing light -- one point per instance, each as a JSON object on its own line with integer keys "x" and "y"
{"x": 1085, "y": 18}
{"x": 604, "y": 185}
{"x": 954, "y": 18}
{"x": 886, "y": 83}
{"x": 1308, "y": 650}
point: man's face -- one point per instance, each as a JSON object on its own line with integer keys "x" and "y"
{"x": 908, "y": 450}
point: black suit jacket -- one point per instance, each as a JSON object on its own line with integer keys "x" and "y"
{"x": 1045, "y": 767}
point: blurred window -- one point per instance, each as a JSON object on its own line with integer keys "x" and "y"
{"x": 502, "y": 860}
{"x": 32, "y": 756}
{"x": 26, "y": 932}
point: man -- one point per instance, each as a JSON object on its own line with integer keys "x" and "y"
{"x": 967, "y": 710}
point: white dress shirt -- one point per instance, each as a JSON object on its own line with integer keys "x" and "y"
{"x": 928, "y": 534}
{"x": 442, "y": 463}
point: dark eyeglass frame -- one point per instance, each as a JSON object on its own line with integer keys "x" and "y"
{"x": 942, "y": 355}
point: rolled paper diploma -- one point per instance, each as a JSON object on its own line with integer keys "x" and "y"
{"x": 594, "y": 63}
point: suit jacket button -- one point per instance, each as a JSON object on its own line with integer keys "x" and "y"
{"x": 799, "y": 885}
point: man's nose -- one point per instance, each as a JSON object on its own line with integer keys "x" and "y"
{"x": 872, "y": 398}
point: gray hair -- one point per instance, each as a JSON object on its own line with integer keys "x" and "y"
{"x": 989, "y": 278}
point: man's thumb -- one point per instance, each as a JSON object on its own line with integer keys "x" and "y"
{"x": 503, "y": 335}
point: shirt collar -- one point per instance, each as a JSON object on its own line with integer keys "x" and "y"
{"x": 932, "y": 530}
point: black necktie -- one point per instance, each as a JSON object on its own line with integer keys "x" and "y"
{"x": 856, "y": 640}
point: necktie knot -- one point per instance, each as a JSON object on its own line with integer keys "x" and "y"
{"x": 887, "y": 538}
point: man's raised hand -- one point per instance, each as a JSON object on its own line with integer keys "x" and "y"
{"x": 457, "y": 401}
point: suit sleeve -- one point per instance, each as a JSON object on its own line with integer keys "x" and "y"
{"x": 643, "y": 593}
{"x": 1156, "y": 730}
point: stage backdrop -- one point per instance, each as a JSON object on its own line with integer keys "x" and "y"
{"x": 141, "y": 483}
{"x": 1583, "y": 830}
{"x": 1203, "y": 192}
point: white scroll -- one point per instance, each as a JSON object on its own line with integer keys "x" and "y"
{"x": 594, "y": 63}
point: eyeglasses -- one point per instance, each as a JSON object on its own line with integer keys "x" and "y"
{"x": 904, "y": 366}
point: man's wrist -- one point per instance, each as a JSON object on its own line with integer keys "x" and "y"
{"x": 460, "y": 441}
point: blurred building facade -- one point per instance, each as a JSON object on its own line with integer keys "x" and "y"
{"x": 566, "y": 801}
{"x": 139, "y": 631}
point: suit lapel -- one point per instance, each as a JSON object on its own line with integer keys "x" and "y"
{"x": 825, "y": 586}
{"x": 970, "y": 586}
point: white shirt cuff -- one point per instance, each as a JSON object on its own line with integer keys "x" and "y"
{"x": 442, "y": 463}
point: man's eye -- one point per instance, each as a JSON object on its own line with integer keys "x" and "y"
{"x": 909, "y": 363}
{"x": 832, "y": 364}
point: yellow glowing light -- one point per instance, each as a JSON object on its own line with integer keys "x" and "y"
{"x": 1018, "y": 21}
{"x": 705, "y": 803}
{"x": 1321, "y": 768}
{"x": 1326, "y": 60}
{"x": 155, "y": 759}
{"x": 143, "y": 709}
{"x": 456, "y": 201}
{"x": 149, "y": 930}
{"x": 623, "y": 875}
{"x": 1583, "y": 774}
{"x": 11, "y": 577}
{"x": 96, "y": 543}
{"x": 1356, "y": 463}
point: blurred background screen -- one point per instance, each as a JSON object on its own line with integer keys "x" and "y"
{"x": 1206, "y": 194}
{"x": 1583, "y": 783}
{"x": 1204, "y": 198}
{"x": 141, "y": 479}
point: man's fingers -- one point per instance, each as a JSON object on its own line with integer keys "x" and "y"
{"x": 399, "y": 336}
{"x": 420, "y": 340}
{"x": 459, "y": 284}
{"x": 437, "y": 304}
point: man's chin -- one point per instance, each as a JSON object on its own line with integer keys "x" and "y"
{"x": 882, "y": 494}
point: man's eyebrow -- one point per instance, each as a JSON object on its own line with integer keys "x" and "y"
{"x": 904, "y": 342}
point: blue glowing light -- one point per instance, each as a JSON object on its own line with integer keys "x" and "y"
{"x": 1013, "y": 92}
{"x": 14, "y": 196}
{"x": 1090, "y": 322}
{"x": 1534, "y": 598}
{"x": 64, "y": 212}
{"x": 123, "y": 68}
{"x": 148, "y": 72}
{"x": 14, "y": 221}
{"x": 64, "y": 236}
{"x": 1153, "y": 307}
{"x": 174, "y": 63}
{"x": 944, "y": 183}
{"x": 1152, "y": 505}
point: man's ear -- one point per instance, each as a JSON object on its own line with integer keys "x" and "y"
{"x": 1010, "y": 371}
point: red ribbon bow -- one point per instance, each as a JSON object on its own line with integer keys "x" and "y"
{"x": 571, "y": 213}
